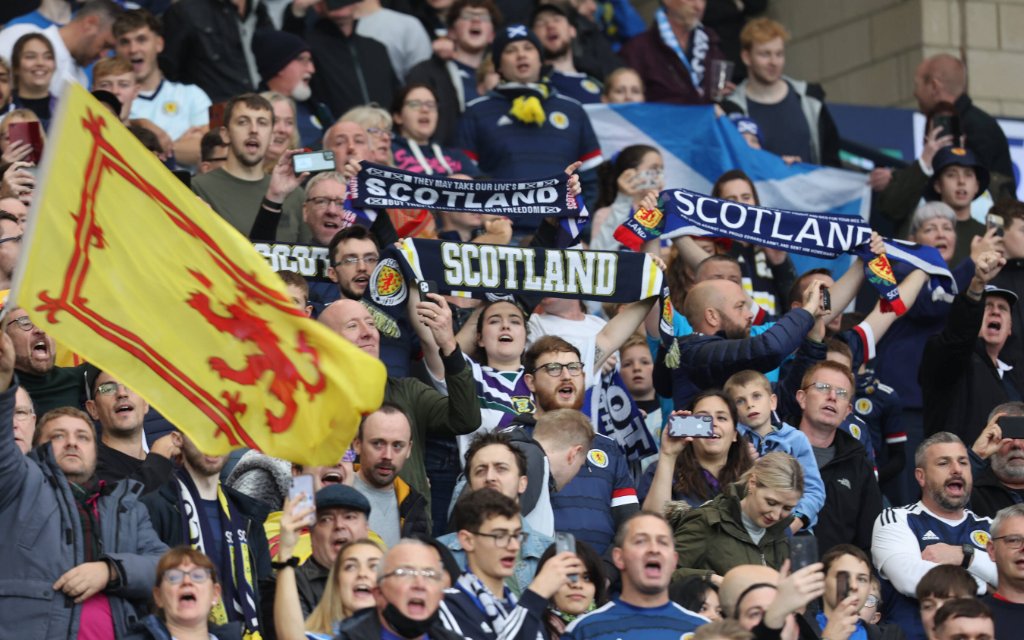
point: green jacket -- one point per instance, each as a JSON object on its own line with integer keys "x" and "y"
{"x": 431, "y": 413}
{"x": 712, "y": 539}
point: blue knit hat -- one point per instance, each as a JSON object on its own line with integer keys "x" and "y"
{"x": 513, "y": 33}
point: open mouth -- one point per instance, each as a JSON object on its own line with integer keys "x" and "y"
{"x": 41, "y": 348}
{"x": 505, "y": 337}
{"x": 124, "y": 407}
{"x": 188, "y": 596}
{"x": 566, "y": 391}
{"x": 994, "y": 325}
{"x": 508, "y": 562}
{"x": 362, "y": 590}
{"x": 955, "y": 486}
{"x": 331, "y": 477}
{"x": 652, "y": 568}
{"x": 828, "y": 408}
{"x": 416, "y": 607}
{"x": 252, "y": 145}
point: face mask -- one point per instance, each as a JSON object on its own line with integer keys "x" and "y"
{"x": 406, "y": 626}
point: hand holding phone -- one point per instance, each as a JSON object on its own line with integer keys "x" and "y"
{"x": 1012, "y": 427}
{"x": 31, "y": 134}
{"x": 826, "y": 299}
{"x": 803, "y": 551}
{"x": 842, "y": 585}
{"x": 426, "y": 286}
{"x": 691, "y": 427}
{"x": 303, "y": 484}
{"x": 566, "y": 542}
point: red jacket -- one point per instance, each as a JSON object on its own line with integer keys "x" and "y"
{"x": 665, "y": 77}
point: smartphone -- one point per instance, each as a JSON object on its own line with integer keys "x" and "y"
{"x": 427, "y": 286}
{"x": 303, "y": 484}
{"x": 1012, "y": 427}
{"x": 996, "y": 222}
{"x": 803, "y": 551}
{"x": 313, "y": 162}
{"x": 216, "y": 114}
{"x": 566, "y": 542}
{"x": 950, "y": 125}
{"x": 31, "y": 134}
{"x": 826, "y": 299}
{"x": 842, "y": 585}
{"x": 690, "y": 427}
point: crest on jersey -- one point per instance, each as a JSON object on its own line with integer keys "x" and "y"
{"x": 387, "y": 286}
{"x": 980, "y": 538}
{"x": 559, "y": 120}
{"x": 855, "y": 431}
{"x": 863, "y": 406}
{"x": 597, "y": 458}
{"x": 590, "y": 86}
{"x": 170, "y": 107}
{"x": 522, "y": 404}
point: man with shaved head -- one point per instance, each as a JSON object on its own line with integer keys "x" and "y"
{"x": 758, "y": 597}
{"x": 721, "y": 345}
{"x": 428, "y": 411}
{"x": 943, "y": 78}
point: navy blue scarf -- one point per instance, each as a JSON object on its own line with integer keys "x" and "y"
{"x": 380, "y": 187}
{"x": 824, "y": 235}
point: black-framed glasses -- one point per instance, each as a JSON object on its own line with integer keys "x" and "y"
{"x": 503, "y": 538}
{"x": 554, "y": 369}
{"x": 197, "y": 575}
{"x": 825, "y": 387}
{"x": 23, "y": 323}
{"x": 1012, "y": 541}
{"x": 11, "y": 239}
{"x": 409, "y": 574}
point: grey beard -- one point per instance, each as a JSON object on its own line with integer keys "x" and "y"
{"x": 302, "y": 92}
{"x": 1003, "y": 470}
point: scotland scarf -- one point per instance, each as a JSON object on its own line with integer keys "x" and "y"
{"x": 479, "y": 270}
{"x": 377, "y": 186}
{"x": 307, "y": 260}
{"x": 235, "y": 567}
{"x": 698, "y": 45}
{"x": 824, "y": 235}
{"x": 614, "y": 413}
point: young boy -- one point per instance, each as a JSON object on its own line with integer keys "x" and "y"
{"x": 490, "y": 531}
{"x": 115, "y": 75}
{"x": 752, "y": 393}
{"x": 298, "y": 290}
{"x": 942, "y": 583}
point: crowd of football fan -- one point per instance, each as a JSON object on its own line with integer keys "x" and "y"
{"x": 865, "y": 474}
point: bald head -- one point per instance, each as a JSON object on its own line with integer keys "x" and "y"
{"x": 351, "y": 320}
{"x": 738, "y": 579}
{"x": 940, "y": 78}
{"x": 716, "y": 305}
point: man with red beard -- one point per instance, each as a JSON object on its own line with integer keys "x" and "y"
{"x": 195, "y": 509}
{"x": 602, "y": 495}
{"x": 383, "y": 443}
{"x": 908, "y": 541}
{"x": 852, "y": 496}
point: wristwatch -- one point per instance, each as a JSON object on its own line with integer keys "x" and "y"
{"x": 968, "y": 555}
{"x": 290, "y": 562}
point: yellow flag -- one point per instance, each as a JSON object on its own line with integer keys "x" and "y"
{"x": 124, "y": 265}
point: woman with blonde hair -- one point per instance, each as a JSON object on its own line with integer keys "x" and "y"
{"x": 285, "y": 134}
{"x": 746, "y": 524}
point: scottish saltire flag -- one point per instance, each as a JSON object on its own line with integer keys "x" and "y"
{"x": 697, "y": 147}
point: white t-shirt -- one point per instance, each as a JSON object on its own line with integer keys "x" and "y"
{"x": 67, "y": 68}
{"x": 404, "y": 37}
{"x": 174, "y": 107}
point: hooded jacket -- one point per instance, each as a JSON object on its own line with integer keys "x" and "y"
{"x": 852, "y": 497}
{"x": 47, "y": 541}
{"x": 712, "y": 538}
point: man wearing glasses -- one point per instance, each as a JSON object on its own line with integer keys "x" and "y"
{"x": 1006, "y": 549}
{"x": 35, "y": 361}
{"x": 908, "y": 541}
{"x": 410, "y": 586}
{"x": 852, "y": 496}
{"x": 10, "y": 247}
{"x": 121, "y": 414}
{"x": 480, "y": 604}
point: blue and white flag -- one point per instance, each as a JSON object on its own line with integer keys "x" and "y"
{"x": 697, "y": 147}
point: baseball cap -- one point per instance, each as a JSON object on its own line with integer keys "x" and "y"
{"x": 341, "y": 496}
{"x": 993, "y": 290}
